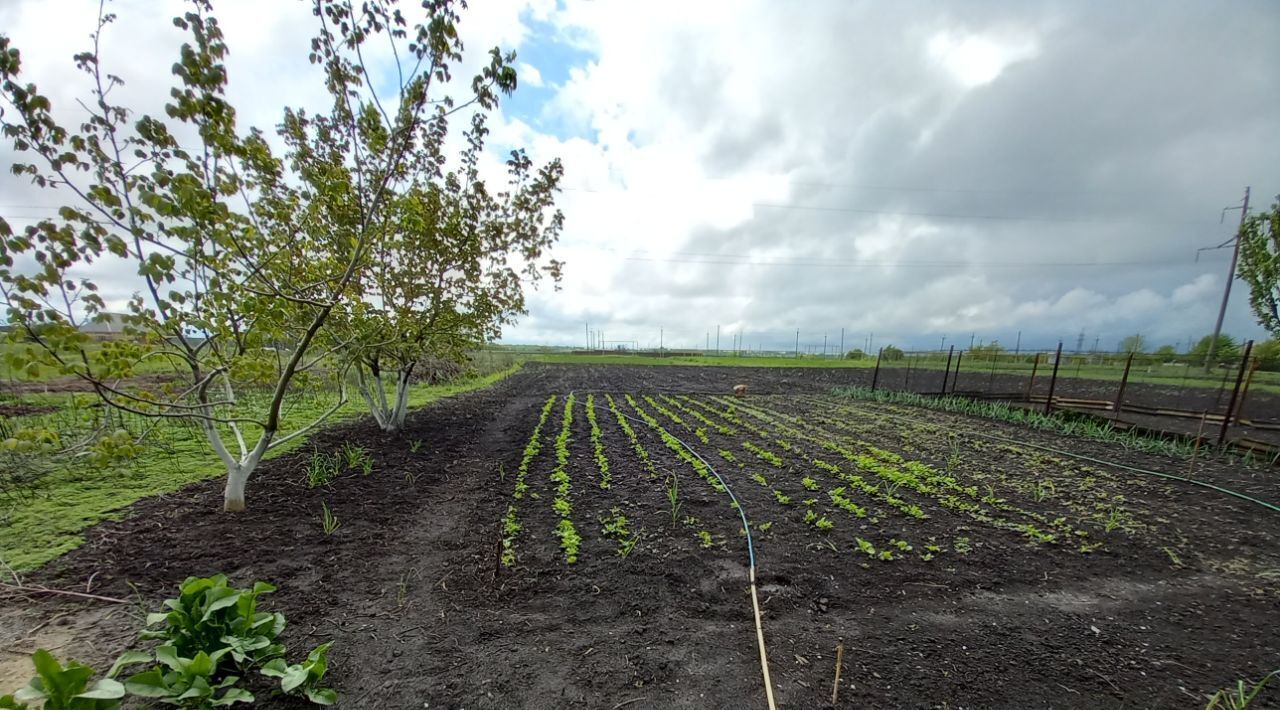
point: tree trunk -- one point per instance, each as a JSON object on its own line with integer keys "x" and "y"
{"x": 396, "y": 420}
{"x": 233, "y": 493}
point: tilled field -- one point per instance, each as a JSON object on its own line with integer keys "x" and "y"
{"x": 556, "y": 543}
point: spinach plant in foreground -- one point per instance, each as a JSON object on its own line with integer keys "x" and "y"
{"x": 65, "y": 688}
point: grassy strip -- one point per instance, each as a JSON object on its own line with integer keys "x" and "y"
{"x": 510, "y": 522}
{"x": 47, "y": 524}
{"x": 570, "y": 540}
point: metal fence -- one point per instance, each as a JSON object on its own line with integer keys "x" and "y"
{"x": 1233, "y": 402}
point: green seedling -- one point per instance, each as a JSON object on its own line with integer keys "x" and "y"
{"x": 328, "y": 521}
{"x": 809, "y": 484}
{"x": 705, "y": 537}
{"x": 673, "y": 498}
{"x": 304, "y": 677}
{"x": 781, "y": 497}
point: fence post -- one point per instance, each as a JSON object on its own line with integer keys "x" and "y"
{"x": 1235, "y": 393}
{"x": 1124, "y": 381}
{"x": 875, "y": 376}
{"x": 1053, "y": 380}
{"x": 906, "y": 384}
{"x": 947, "y": 371}
{"x": 1244, "y": 393}
{"x": 955, "y": 376}
{"x": 1035, "y": 365}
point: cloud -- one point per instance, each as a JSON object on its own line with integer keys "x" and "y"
{"x": 913, "y": 171}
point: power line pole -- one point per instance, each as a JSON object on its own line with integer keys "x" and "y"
{"x": 586, "y": 328}
{"x": 717, "y": 339}
{"x": 824, "y": 345}
{"x": 1231, "y": 275}
{"x": 708, "y": 347}
{"x": 842, "y": 342}
{"x": 797, "y": 342}
{"x": 1018, "y": 347}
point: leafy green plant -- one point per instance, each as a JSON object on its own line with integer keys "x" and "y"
{"x": 765, "y": 527}
{"x": 865, "y": 547}
{"x": 763, "y": 454}
{"x": 597, "y": 442}
{"x": 962, "y": 545}
{"x": 809, "y": 484}
{"x": 1043, "y": 489}
{"x": 305, "y": 677}
{"x": 705, "y": 537}
{"x": 415, "y": 445}
{"x": 781, "y": 497}
{"x": 615, "y": 527}
{"x": 209, "y": 615}
{"x": 328, "y": 521}
{"x": 188, "y": 682}
{"x": 65, "y": 688}
{"x": 570, "y": 540}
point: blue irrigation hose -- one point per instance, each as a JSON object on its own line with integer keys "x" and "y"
{"x": 751, "y": 552}
{"x": 742, "y": 513}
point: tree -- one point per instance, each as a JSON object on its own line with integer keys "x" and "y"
{"x": 1268, "y": 354}
{"x": 892, "y": 353}
{"x": 1260, "y": 265}
{"x": 1227, "y": 348}
{"x": 451, "y": 271}
{"x": 1166, "y": 352}
{"x": 1133, "y": 344}
{"x": 855, "y": 354}
{"x": 990, "y": 351}
{"x": 241, "y": 257}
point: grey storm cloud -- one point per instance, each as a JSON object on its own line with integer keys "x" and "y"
{"x": 1069, "y": 191}
{"x": 908, "y": 169}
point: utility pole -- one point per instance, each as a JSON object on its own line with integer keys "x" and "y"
{"x": 842, "y": 342}
{"x": 717, "y": 339}
{"x": 871, "y": 343}
{"x": 797, "y": 342}
{"x": 971, "y": 336}
{"x": 1231, "y": 275}
{"x": 586, "y": 328}
{"x": 1018, "y": 347}
{"x": 824, "y": 345}
{"x": 659, "y": 340}
{"x": 944, "y": 343}
{"x": 1080, "y": 342}
{"x": 708, "y": 347}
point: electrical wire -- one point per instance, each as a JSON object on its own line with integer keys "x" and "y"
{"x": 751, "y": 552}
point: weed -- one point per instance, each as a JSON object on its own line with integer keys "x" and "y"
{"x": 328, "y": 521}
{"x": 357, "y": 458}
{"x": 415, "y": 445}
{"x": 673, "y": 498}
{"x": 1044, "y": 489}
{"x": 1241, "y": 696}
{"x": 322, "y": 468}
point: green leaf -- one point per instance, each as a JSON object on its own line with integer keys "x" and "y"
{"x": 275, "y": 668}
{"x": 105, "y": 689}
{"x": 293, "y": 677}
{"x": 234, "y": 695}
{"x": 168, "y": 655}
{"x": 147, "y": 684}
{"x": 201, "y": 665}
{"x": 322, "y": 696}
{"x": 8, "y": 702}
{"x": 128, "y": 658}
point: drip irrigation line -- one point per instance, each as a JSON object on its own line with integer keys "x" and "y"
{"x": 751, "y": 551}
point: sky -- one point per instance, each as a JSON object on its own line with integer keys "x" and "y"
{"x": 910, "y": 173}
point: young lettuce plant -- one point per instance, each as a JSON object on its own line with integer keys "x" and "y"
{"x": 305, "y": 676}
{"x": 65, "y": 688}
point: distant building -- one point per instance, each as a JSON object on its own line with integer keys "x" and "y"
{"x": 105, "y": 326}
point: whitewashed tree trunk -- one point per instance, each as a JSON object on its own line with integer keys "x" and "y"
{"x": 389, "y": 415}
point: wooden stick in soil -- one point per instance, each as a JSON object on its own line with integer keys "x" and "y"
{"x": 835, "y": 687}
{"x": 1195, "y": 451}
{"x": 45, "y": 590}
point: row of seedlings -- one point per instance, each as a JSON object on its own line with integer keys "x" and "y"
{"x": 511, "y": 523}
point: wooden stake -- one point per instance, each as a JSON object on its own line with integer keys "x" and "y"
{"x": 1196, "y": 450}
{"x": 835, "y": 687}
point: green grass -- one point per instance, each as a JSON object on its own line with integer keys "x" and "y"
{"x": 50, "y": 522}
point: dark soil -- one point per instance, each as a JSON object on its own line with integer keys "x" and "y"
{"x": 18, "y": 409}
{"x": 410, "y": 590}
